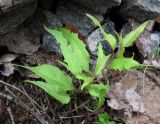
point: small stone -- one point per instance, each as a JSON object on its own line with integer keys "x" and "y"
{"x": 71, "y": 13}
{"x": 50, "y": 44}
{"x": 7, "y": 58}
{"x": 96, "y": 36}
{"x": 7, "y": 70}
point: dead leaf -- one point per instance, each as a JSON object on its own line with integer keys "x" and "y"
{"x": 135, "y": 100}
{"x": 74, "y": 29}
{"x": 139, "y": 93}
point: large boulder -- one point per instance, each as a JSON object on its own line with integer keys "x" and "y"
{"x": 100, "y": 6}
{"x": 14, "y": 12}
{"x": 140, "y": 10}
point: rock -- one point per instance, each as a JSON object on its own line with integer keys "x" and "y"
{"x": 155, "y": 40}
{"x": 46, "y": 4}
{"x": 21, "y": 41}
{"x": 50, "y": 44}
{"x": 140, "y": 10}
{"x": 96, "y": 36}
{"x": 136, "y": 95}
{"x": 7, "y": 68}
{"x": 14, "y": 12}
{"x": 71, "y": 13}
{"x": 100, "y": 6}
{"x": 41, "y": 18}
{"x": 147, "y": 44}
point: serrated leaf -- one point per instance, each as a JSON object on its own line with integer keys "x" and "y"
{"x": 54, "y": 90}
{"x": 73, "y": 49}
{"x": 52, "y": 75}
{"x": 78, "y": 47}
{"x": 101, "y": 60}
{"x": 99, "y": 91}
{"x": 132, "y": 36}
{"x": 124, "y": 64}
{"x": 56, "y": 82}
{"x": 69, "y": 56}
{"x": 108, "y": 37}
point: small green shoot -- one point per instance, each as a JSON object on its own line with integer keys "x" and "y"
{"x": 104, "y": 119}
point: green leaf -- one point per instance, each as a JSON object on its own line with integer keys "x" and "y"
{"x": 108, "y": 37}
{"x": 101, "y": 60}
{"x": 132, "y": 36}
{"x": 95, "y": 20}
{"x": 56, "y": 82}
{"x": 86, "y": 81}
{"x": 99, "y": 91}
{"x": 124, "y": 64}
{"x": 104, "y": 119}
{"x": 53, "y": 75}
{"x": 78, "y": 47}
{"x": 73, "y": 49}
{"x": 54, "y": 90}
{"x": 66, "y": 49}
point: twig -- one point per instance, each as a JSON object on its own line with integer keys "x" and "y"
{"x": 154, "y": 77}
{"x": 6, "y": 84}
{"x": 23, "y": 105}
{"x": 83, "y": 104}
{"x": 33, "y": 102}
{"x": 78, "y": 116}
{"x": 11, "y": 115}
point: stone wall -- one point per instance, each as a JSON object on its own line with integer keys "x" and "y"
{"x": 34, "y": 14}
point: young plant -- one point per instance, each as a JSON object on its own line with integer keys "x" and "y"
{"x": 76, "y": 60}
{"x": 104, "y": 119}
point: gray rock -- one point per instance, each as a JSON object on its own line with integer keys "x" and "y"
{"x": 155, "y": 40}
{"x": 140, "y": 10}
{"x": 96, "y": 36}
{"x": 13, "y": 13}
{"x": 99, "y": 6}
{"x": 75, "y": 14}
{"x": 50, "y": 44}
{"x": 41, "y": 18}
{"x": 21, "y": 41}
